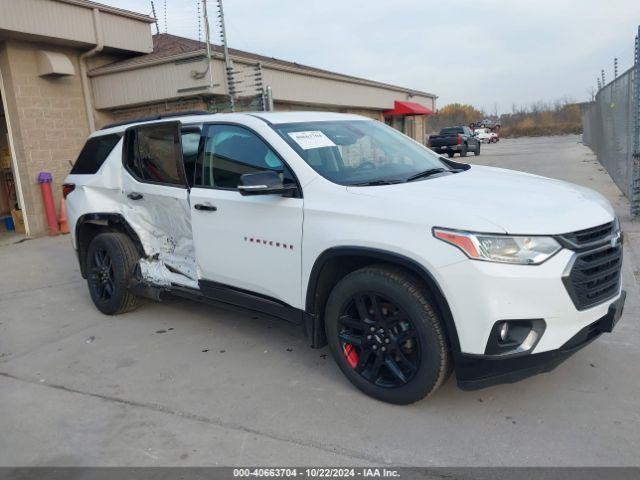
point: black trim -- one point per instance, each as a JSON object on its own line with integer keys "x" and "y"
{"x": 518, "y": 331}
{"x": 589, "y": 238}
{"x": 477, "y": 371}
{"x": 574, "y": 277}
{"x": 186, "y": 129}
{"x": 252, "y": 301}
{"x": 152, "y": 118}
{"x": 456, "y": 165}
{"x": 386, "y": 257}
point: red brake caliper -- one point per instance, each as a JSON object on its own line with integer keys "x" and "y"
{"x": 351, "y": 355}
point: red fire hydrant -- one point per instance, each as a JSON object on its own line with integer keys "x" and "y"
{"x": 45, "y": 179}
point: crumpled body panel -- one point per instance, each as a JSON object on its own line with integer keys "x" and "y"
{"x": 162, "y": 222}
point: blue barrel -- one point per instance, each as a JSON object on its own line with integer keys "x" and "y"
{"x": 8, "y": 223}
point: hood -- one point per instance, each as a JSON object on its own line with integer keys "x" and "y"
{"x": 517, "y": 202}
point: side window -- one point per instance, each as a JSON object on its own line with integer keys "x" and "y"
{"x": 231, "y": 151}
{"x": 190, "y": 150}
{"x": 94, "y": 153}
{"x": 154, "y": 155}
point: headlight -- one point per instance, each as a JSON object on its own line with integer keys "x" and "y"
{"x": 520, "y": 249}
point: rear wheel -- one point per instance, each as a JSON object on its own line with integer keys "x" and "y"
{"x": 450, "y": 154}
{"x": 110, "y": 264}
{"x": 386, "y": 335}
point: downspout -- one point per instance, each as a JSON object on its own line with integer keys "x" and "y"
{"x": 86, "y": 88}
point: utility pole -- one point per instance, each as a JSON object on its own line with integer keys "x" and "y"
{"x": 153, "y": 9}
{"x": 208, "y": 40}
{"x": 227, "y": 61}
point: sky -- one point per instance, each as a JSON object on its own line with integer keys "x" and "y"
{"x": 493, "y": 54}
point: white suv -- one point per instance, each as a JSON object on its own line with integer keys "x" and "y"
{"x": 407, "y": 264}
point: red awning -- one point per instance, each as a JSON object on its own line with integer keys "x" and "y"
{"x": 407, "y": 108}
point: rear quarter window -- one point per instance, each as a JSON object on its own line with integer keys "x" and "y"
{"x": 94, "y": 153}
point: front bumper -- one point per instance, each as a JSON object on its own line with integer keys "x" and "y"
{"x": 479, "y": 371}
{"x": 483, "y": 293}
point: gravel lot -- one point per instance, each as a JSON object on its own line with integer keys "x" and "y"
{"x": 181, "y": 383}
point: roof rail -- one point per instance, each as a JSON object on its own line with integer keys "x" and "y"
{"x": 157, "y": 117}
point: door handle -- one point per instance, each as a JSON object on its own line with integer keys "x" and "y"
{"x": 135, "y": 196}
{"x": 204, "y": 207}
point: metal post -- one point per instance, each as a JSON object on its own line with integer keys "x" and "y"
{"x": 269, "y": 99}
{"x": 603, "y": 82}
{"x": 153, "y": 9}
{"x": 208, "y": 40}
{"x": 259, "y": 83}
{"x": 635, "y": 179}
{"x": 599, "y": 84}
{"x": 227, "y": 61}
{"x": 615, "y": 67}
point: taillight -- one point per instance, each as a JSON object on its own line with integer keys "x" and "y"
{"x": 67, "y": 188}
{"x": 459, "y": 139}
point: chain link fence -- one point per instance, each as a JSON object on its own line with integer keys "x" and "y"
{"x": 611, "y": 128}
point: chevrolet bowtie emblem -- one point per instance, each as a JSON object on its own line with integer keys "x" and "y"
{"x": 615, "y": 239}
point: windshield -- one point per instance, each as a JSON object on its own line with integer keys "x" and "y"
{"x": 353, "y": 152}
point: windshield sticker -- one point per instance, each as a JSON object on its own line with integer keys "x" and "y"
{"x": 312, "y": 139}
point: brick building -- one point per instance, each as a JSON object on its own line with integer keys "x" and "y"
{"x": 68, "y": 67}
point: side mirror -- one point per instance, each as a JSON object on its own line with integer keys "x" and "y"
{"x": 266, "y": 182}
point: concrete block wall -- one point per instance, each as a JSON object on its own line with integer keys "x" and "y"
{"x": 132, "y": 113}
{"x": 48, "y": 122}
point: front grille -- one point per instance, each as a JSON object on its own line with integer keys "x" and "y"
{"x": 589, "y": 235}
{"x": 594, "y": 276}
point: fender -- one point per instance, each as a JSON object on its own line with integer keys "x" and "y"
{"x": 315, "y": 322}
{"x": 111, "y": 221}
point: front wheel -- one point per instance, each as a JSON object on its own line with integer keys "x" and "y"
{"x": 386, "y": 335}
{"x": 463, "y": 150}
{"x": 476, "y": 152}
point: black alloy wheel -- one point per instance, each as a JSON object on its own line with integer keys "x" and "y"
{"x": 101, "y": 274}
{"x": 379, "y": 340}
{"x": 385, "y": 333}
{"x": 110, "y": 266}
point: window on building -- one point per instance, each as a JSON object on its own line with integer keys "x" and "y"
{"x": 94, "y": 153}
{"x": 230, "y": 152}
{"x": 154, "y": 154}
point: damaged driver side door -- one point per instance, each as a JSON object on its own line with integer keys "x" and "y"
{"x": 156, "y": 198}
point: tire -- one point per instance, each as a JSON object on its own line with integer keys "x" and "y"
{"x": 463, "y": 150}
{"x": 476, "y": 152}
{"x": 110, "y": 264}
{"x": 407, "y": 327}
{"x": 450, "y": 154}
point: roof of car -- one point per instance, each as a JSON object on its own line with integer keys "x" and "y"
{"x": 275, "y": 118}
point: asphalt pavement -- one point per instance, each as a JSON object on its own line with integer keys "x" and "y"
{"x": 180, "y": 383}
